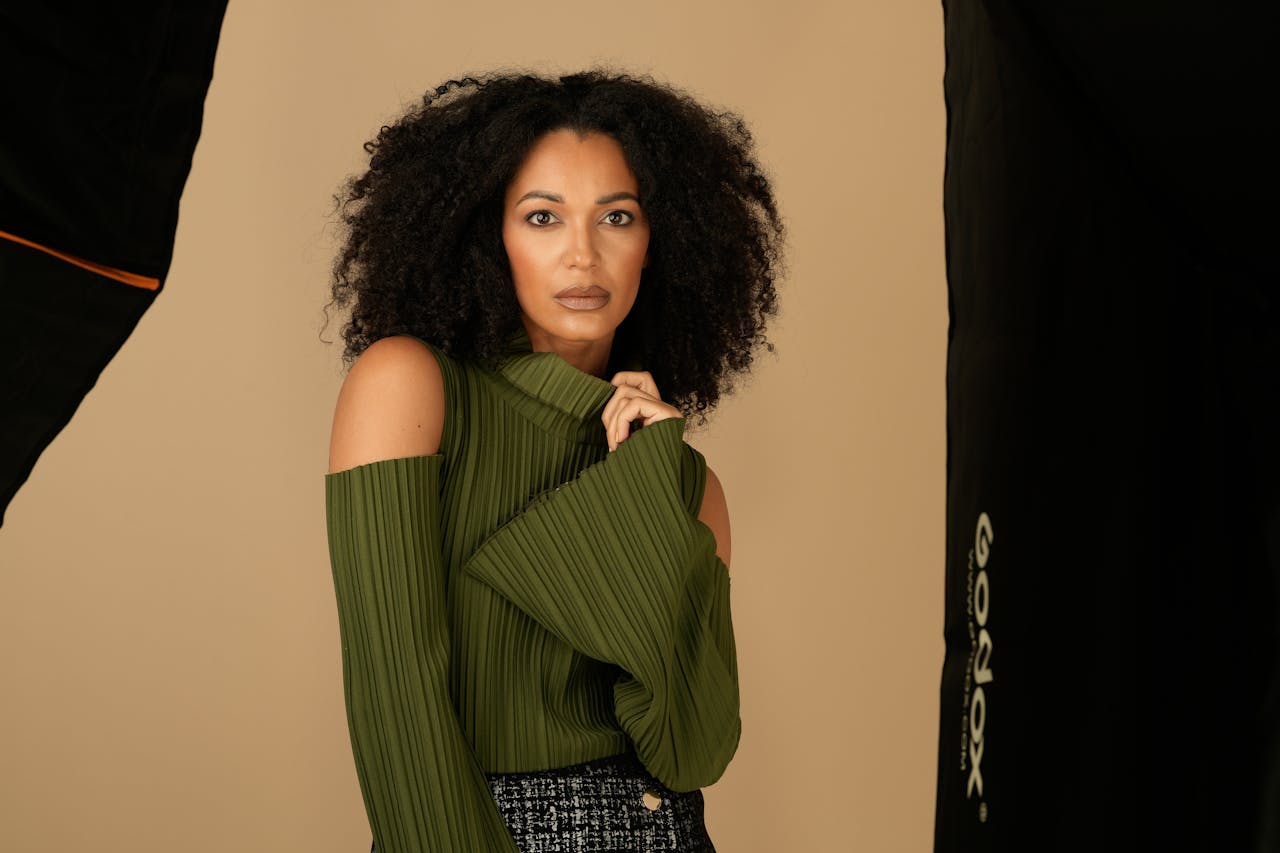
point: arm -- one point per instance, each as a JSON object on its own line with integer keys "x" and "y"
{"x": 616, "y": 564}
{"x": 422, "y": 787}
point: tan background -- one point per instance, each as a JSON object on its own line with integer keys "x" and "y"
{"x": 168, "y": 635}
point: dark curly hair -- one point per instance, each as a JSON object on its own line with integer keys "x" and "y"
{"x": 423, "y": 251}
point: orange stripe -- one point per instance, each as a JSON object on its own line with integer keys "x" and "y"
{"x": 110, "y": 272}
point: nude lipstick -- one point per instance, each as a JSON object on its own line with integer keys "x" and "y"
{"x": 578, "y": 298}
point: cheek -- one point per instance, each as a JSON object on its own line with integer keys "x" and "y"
{"x": 632, "y": 253}
{"x": 518, "y": 254}
{"x": 529, "y": 254}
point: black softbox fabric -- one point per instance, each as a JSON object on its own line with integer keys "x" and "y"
{"x": 101, "y": 107}
{"x": 1113, "y": 381}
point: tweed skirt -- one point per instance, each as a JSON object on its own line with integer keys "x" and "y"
{"x": 610, "y": 805}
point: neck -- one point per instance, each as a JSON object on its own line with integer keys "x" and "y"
{"x": 588, "y": 356}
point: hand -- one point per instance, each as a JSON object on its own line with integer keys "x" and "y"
{"x": 636, "y": 399}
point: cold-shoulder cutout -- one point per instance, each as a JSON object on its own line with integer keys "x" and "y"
{"x": 703, "y": 496}
{"x": 714, "y": 513}
{"x": 391, "y": 405}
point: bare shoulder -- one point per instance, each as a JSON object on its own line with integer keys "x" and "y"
{"x": 391, "y": 405}
{"x": 714, "y": 513}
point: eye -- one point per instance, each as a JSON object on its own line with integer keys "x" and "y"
{"x": 540, "y": 218}
{"x": 619, "y": 217}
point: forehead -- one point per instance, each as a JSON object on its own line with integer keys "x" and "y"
{"x": 561, "y": 161}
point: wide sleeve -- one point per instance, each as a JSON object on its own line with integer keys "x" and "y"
{"x": 423, "y": 788}
{"x": 616, "y": 565}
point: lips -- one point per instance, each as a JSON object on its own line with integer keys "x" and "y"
{"x": 579, "y": 298}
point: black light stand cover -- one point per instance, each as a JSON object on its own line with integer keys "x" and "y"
{"x": 1113, "y": 381}
{"x": 100, "y": 110}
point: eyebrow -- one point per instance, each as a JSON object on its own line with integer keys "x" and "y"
{"x": 606, "y": 199}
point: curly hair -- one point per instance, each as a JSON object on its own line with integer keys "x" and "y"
{"x": 423, "y": 251}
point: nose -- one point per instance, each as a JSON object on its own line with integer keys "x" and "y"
{"x": 580, "y": 253}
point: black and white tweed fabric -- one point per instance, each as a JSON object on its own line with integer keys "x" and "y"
{"x": 611, "y": 805}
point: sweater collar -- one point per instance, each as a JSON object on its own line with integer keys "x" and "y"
{"x": 551, "y": 379}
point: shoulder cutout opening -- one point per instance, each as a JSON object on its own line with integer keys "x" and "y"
{"x": 391, "y": 405}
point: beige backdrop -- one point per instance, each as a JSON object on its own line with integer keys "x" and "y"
{"x": 168, "y": 634}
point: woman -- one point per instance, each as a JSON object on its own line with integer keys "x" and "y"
{"x": 531, "y": 566}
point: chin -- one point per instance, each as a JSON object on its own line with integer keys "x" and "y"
{"x": 584, "y": 332}
{"x": 589, "y": 326}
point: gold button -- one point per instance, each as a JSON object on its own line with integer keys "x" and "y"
{"x": 652, "y": 801}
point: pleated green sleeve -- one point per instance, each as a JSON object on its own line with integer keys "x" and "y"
{"x": 615, "y": 564}
{"x": 423, "y": 788}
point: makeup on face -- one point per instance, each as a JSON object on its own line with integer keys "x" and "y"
{"x": 577, "y": 240}
{"x": 579, "y": 298}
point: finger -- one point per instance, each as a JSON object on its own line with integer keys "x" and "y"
{"x": 622, "y": 426}
{"x": 641, "y": 379}
{"x": 611, "y": 407}
{"x": 617, "y": 427}
{"x": 638, "y": 408}
{"x": 610, "y": 411}
{"x": 619, "y": 398}
{"x": 636, "y": 413}
{"x": 619, "y": 424}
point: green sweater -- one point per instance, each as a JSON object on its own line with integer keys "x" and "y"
{"x": 523, "y": 600}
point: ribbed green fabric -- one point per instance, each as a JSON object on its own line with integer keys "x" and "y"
{"x": 423, "y": 789}
{"x": 525, "y": 600}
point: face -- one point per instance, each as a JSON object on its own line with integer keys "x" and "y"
{"x": 576, "y": 239}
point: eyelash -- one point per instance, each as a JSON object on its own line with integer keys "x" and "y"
{"x": 630, "y": 217}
